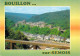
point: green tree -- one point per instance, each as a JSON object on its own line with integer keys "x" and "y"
{"x": 55, "y": 31}
{"x": 66, "y": 34}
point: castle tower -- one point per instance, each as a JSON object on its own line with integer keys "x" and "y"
{"x": 24, "y": 21}
{"x": 59, "y": 28}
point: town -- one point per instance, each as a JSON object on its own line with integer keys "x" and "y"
{"x": 43, "y": 38}
{"x": 47, "y": 30}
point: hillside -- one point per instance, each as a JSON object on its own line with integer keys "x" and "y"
{"x": 15, "y": 17}
{"x": 59, "y": 18}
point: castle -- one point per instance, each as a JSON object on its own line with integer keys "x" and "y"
{"x": 39, "y": 24}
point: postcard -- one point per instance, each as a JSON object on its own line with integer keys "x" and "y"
{"x": 39, "y": 28}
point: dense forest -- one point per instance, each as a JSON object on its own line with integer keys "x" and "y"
{"x": 59, "y": 18}
{"x": 14, "y": 34}
{"x": 15, "y": 17}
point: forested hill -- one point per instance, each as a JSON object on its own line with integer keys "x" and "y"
{"x": 59, "y": 18}
{"x": 15, "y": 17}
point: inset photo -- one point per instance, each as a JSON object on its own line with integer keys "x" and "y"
{"x": 37, "y": 27}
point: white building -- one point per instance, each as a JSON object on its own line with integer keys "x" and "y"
{"x": 68, "y": 40}
{"x": 46, "y": 37}
{"x": 39, "y": 37}
{"x": 57, "y": 38}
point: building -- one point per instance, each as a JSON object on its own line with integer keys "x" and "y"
{"x": 39, "y": 37}
{"x": 22, "y": 22}
{"x": 68, "y": 40}
{"x": 59, "y": 28}
{"x": 46, "y": 37}
{"x": 62, "y": 39}
{"x": 50, "y": 26}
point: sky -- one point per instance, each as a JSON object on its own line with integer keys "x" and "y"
{"x": 35, "y": 9}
